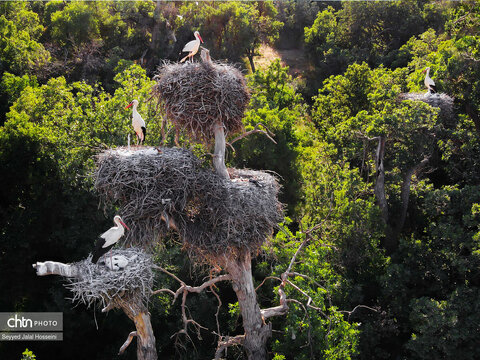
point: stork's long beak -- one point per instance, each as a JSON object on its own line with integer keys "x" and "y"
{"x": 125, "y": 226}
{"x": 424, "y": 71}
{"x": 200, "y": 38}
{"x": 126, "y": 107}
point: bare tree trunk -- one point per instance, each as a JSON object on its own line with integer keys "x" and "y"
{"x": 256, "y": 331}
{"x": 145, "y": 338}
{"x": 380, "y": 179}
{"x": 405, "y": 195}
{"x": 390, "y": 242}
{"x": 139, "y": 314}
{"x": 250, "y": 59}
{"x": 156, "y": 27}
{"x": 219, "y": 154}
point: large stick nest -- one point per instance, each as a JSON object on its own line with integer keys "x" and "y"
{"x": 164, "y": 188}
{"x": 197, "y": 95}
{"x": 97, "y": 283}
{"x": 439, "y": 100}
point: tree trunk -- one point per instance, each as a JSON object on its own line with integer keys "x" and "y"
{"x": 250, "y": 59}
{"x": 145, "y": 338}
{"x": 405, "y": 195}
{"x": 156, "y": 27}
{"x": 256, "y": 331}
{"x": 380, "y": 179}
{"x": 219, "y": 154}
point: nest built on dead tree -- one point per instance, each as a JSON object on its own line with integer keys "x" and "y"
{"x": 197, "y": 95}
{"x": 95, "y": 283}
{"x": 161, "y": 188}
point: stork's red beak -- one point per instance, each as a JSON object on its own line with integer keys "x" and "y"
{"x": 200, "y": 38}
{"x": 121, "y": 222}
{"x": 127, "y": 108}
{"x": 424, "y": 71}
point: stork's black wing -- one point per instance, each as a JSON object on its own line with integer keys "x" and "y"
{"x": 99, "y": 250}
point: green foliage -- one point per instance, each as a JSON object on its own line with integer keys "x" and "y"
{"x": 20, "y": 30}
{"x": 231, "y": 29}
{"x": 28, "y": 355}
{"x": 68, "y": 69}
{"x": 276, "y": 105}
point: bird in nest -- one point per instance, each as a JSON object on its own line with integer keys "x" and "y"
{"x": 192, "y": 47}
{"x": 137, "y": 122}
{"x": 428, "y": 81}
{"x": 108, "y": 239}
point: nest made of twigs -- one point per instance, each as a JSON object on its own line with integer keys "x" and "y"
{"x": 161, "y": 189}
{"x": 96, "y": 283}
{"x": 197, "y": 95}
{"x": 439, "y": 100}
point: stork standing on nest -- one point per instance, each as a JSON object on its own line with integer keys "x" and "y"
{"x": 429, "y": 83}
{"x": 192, "y": 47}
{"x": 137, "y": 122}
{"x": 108, "y": 239}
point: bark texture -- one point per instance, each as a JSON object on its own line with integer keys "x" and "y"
{"x": 219, "y": 155}
{"x": 256, "y": 331}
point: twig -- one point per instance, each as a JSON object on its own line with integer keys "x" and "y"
{"x": 229, "y": 341}
{"x": 127, "y": 342}
{"x": 267, "y": 133}
{"x": 356, "y": 308}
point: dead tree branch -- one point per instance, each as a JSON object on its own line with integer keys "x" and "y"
{"x": 265, "y": 132}
{"x": 127, "y": 342}
{"x": 226, "y": 343}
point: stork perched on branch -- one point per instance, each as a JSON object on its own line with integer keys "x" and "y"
{"x": 192, "y": 46}
{"x": 429, "y": 83}
{"x": 137, "y": 122}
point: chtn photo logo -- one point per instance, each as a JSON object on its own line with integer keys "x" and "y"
{"x": 23, "y": 322}
{"x": 31, "y": 321}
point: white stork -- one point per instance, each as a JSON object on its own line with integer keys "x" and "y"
{"x": 429, "y": 83}
{"x": 109, "y": 238}
{"x": 192, "y": 46}
{"x": 137, "y": 122}
{"x": 117, "y": 262}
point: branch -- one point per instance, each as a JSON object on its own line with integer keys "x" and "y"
{"x": 127, "y": 342}
{"x": 362, "y": 136}
{"x": 356, "y": 308}
{"x": 229, "y": 341}
{"x": 184, "y": 289}
{"x": 55, "y": 268}
{"x": 267, "y": 133}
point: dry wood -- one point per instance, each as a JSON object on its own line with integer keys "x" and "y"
{"x": 198, "y": 95}
{"x": 164, "y": 189}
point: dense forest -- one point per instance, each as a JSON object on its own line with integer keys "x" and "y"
{"x": 393, "y": 267}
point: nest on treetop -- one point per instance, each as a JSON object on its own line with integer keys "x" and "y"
{"x": 97, "y": 283}
{"x": 197, "y": 95}
{"x": 439, "y": 100}
{"x": 164, "y": 189}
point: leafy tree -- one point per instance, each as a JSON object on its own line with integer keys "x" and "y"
{"x": 231, "y": 29}
{"x": 20, "y": 50}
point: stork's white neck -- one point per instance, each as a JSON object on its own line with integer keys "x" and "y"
{"x": 428, "y": 73}
{"x": 117, "y": 220}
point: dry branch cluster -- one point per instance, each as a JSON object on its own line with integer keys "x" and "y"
{"x": 439, "y": 100}
{"x": 95, "y": 282}
{"x": 197, "y": 95}
{"x": 161, "y": 188}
